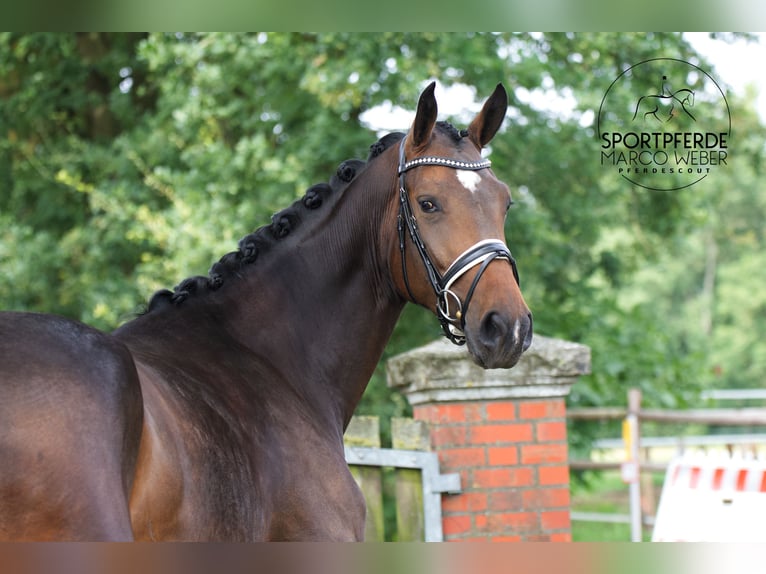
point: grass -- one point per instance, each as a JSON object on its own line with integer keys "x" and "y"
{"x": 600, "y": 532}
{"x": 604, "y": 492}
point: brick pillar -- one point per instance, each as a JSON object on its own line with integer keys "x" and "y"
{"x": 503, "y": 430}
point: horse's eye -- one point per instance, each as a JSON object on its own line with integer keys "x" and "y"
{"x": 509, "y": 204}
{"x": 428, "y": 206}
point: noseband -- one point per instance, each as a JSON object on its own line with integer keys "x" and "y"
{"x": 451, "y": 311}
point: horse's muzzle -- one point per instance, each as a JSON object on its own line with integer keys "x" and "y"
{"x": 500, "y": 340}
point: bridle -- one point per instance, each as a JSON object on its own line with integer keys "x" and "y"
{"x": 481, "y": 253}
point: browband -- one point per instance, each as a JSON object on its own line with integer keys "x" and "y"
{"x": 446, "y": 162}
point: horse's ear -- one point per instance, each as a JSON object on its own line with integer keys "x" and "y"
{"x": 484, "y": 126}
{"x": 425, "y": 117}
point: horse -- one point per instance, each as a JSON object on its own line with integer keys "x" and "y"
{"x": 662, "y": 106}
{"x": 218, "y": 413}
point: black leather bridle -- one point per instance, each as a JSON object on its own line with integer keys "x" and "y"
{"x": 481, "y": 253}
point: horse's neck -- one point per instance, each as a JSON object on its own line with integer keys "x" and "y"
{"x": 316, "y": 310}
{"x": 333, "y": 307}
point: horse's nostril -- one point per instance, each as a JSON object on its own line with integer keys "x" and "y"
{"x": 498, "y": 331}
{"x": 528, "y": 334}
{"x": 494, "y": 327}
{"x": 500, "y": 339}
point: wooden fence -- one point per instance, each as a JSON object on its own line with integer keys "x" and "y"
{"x": 636, "y": 462}
{"x": 404, "y": 478}
{"x": 733, "y": 417}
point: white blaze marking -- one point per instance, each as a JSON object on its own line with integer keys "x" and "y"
{"x": 516, "y": 329}
{"x": 469, "y": 179}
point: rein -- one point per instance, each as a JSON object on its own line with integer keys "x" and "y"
{"x": 481, "y": 253}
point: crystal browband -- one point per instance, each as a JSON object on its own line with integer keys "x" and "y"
{"x": 446, "y": 162}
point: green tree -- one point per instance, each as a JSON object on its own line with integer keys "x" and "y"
{"x": 130, "y": 161}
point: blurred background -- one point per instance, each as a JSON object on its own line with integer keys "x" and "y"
{"x": 131, "y": 161}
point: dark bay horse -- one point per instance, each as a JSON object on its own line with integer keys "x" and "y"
{"x": 219, "y": 413}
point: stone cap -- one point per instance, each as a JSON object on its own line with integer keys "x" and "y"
{"x": 443, "y": 372}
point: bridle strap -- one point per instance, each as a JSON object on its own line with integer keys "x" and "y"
{"x": 482, "y": 253}
{"x": 436, "y": 160}
{"x": 471, "y": 257}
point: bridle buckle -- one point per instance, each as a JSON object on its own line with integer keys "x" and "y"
{"x": 443, "y": 306}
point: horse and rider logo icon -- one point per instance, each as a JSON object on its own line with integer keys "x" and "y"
{"x": 666, "y": 105}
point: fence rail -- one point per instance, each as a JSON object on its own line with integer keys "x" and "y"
{"x": 428, "y": 489}
{"x": 418, "y": 483}
{"x": 637, "y": 448}
{"x": 722, "y": 417}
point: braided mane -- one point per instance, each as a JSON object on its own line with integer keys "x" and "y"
{"x": 264, "y": 238}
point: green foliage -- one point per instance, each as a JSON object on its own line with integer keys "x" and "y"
{"x": 130, "y": 161}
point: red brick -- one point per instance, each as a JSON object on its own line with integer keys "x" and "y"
{"x": 468, "y": 502}
{"x": 553, "y": 408}
{"x": 551, "y": 431}
{"x": 491, "y": 478}
{"x": 452, "y": 525}
{"x": 474, "y": 412}
{"x": 502, "y": 477}
{"x": 555, "y": 519}
{"x": 543, "y": 453}
{"x": 502, "y": 455}
{"x": 462, "y": 457}
{"x": 502, "y": 411}
{"x": 505, "y": 500}
{"x": 546, "y": 498}
{"x": 561, "y": 537}
{"x": 454, "y": 503}
{"x": 477, "y": 501}
{"x": 508, "y": 522}
{"x": 450, "y": 413}
{"x": 522, "y": 477}
{"x": 449, "y": 436}
{"x": 498, "y": 433}
{"x": 553, "y": 475}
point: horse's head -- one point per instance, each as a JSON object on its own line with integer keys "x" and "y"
{"x": 453, "y": 257}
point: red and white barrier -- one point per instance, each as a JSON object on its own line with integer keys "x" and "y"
{"x": 712, "y": 499}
